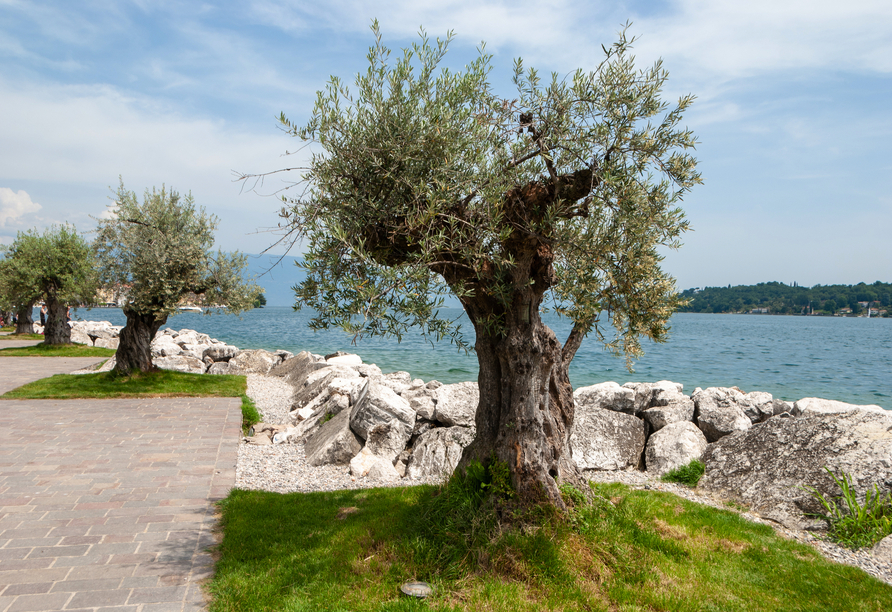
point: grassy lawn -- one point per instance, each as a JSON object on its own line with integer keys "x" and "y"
{"x": 54, "y": 350}
{"x": 161, "y": 383}
{"x": 21, "y": 336}
{"x": 627, "y": 551}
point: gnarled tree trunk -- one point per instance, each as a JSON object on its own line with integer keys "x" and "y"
{"x": 25, "y": 323}
{"x": 57, "y": 330}
{"x": 135, "y": 342}
{"x": 526, "y": 411}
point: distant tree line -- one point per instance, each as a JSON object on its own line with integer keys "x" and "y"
{"x": 779, "y": 298}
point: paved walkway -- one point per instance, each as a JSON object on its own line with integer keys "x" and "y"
{"x": 109, "y": 504}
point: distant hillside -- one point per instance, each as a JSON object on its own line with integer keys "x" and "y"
{"x": 778, "y": 298}
{"x": 277, "y": 279}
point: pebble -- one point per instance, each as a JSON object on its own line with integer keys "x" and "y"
{"x": 282, "y": 468}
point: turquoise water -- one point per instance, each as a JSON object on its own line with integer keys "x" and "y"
{"x": 847, "y": 359}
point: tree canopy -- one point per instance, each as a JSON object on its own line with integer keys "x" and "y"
{"x": 423, "y": 181}
{"x": 159, "y": 251}
{"x": 56, "y": 266}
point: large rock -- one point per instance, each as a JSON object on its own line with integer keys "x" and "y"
{"x": 605, "y": 396}
{"x": 221, "y": 367}
{"x": 296, "y": 369}
{"x": 333, "y": 443}
{"x": 719, "y": 412}
{"x": 315, "y": 388}
{"x": 109, "y": 343}
{"x": 438, "y": 451}
{"x": 180, "y": 363}
{"x": 604, "y": 439}
{"x": 387, "y": 440}
{"x": 220, "y": 352}
{"x": 882, "y": 550}
{"x": 766, "y": 465}
{"x": 456, "y": 404}
{"x": 673, "y": 446}
{"x": 256, "y": 361}
{"x": 164, "y": 346}
{"x": 677, "y": 409}
{"x": 78, "y": 336}
{"x": 333, "y": 405}
{"x": 648, "y": 395}
{"x": 422, "y": 402}
{"x": 381, "y": 405}
{"x": 816, "y": 405}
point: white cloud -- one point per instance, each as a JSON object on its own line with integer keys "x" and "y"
{"x": 14, "y": 205}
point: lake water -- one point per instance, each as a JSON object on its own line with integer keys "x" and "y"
{"x": 847, "y": 359}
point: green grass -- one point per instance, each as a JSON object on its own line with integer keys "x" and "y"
{"x": 689, "y": 474}
{"x": 160, "y": 383}
{"x": 56, "y": 350}
{"x": 626, "y": 551}
{"x": 21, "y": 336}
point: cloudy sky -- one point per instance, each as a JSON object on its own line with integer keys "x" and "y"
{"x": 793, "y": 110}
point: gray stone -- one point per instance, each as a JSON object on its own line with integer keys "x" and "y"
{"x": 387, "y": 440}
{"x": 256, "y": 361}
{"x": 108, "y": 366}
{"x": 456, "y": 404}
{"x": 379, "y": 406}
{"x": 180, "y": 363}
{"x": 315, "y": 388}
{"x": 221, "y": 367}
{"x": 604, "y": 439}
{"x": 261, "y": 439}
{"x": 817, "y": 405}
{"x": 333, "y": 443}
{"x": 673, "y": 446}
{"x": 422, "y": 402}
{"x": 344, "y": 359}
{"x": 882, "y": 550}
{"x": 680, "y": 408}
{"x": 438, "y": 451}
{"x": 296, "y": 369}
{"x": 398, "y": 381}
{"x": 164, "y": 346}
{"x": 79, "y": 337}
{"x": 362, "y": 462}
{"x": 383, "y": 469}
{"x": 758, "y": 406}
{"x": 605, "y": 396}
{"x": 369, "y": 370}
{"x": 109, "y": 343}
{"x": 220, "y": 352}
{"x": 719, "y": 411}
{"x": 333, "y": 405}
{"x": 649, "y": 395}
{"x": 766, "y": 465}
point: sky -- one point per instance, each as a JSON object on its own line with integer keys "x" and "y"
{"x": 792, "y": 111}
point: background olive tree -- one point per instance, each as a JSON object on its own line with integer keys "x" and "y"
{"x": 159, "y": 251}
{"x": 423, "y": 182}
{"x": 57, "y": 266}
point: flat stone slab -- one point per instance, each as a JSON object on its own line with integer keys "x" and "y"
{"x": 17, "y": 371}
{"x": 110, "y": 503}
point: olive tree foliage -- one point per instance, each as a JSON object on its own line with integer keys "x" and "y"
{"x": 56, "y": 266}
{"x": 159, "y": 251}
{"x": 423, "y": 181}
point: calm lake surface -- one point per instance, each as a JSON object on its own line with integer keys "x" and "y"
{"x": 847, "y": 359}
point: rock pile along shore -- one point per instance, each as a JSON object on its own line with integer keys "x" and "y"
{"x": 334, "y": 422}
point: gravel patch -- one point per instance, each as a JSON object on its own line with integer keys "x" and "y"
{"x": 282, "y": 468}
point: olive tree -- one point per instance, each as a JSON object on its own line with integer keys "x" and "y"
{"x": 423, "y": 182}
{"x": 57, "y": 266}
{"x": 159, "y": 251}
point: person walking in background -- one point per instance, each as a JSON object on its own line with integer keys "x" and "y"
{"x": 68, "y": 314}
{"x": 43, "y": 315}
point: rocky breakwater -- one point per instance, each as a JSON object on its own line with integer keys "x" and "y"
{"x": 384, "y": 427}
{"x": 756, "y": 449}
{"x": 185, "y": 350}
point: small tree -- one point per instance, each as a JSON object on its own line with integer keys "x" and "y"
{"x": 428, "y": 183}
{"x": 57, "y": 266}
{"x": 160, "y": 251}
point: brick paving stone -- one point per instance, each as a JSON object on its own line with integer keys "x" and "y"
{"x": 108, "y": 504}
